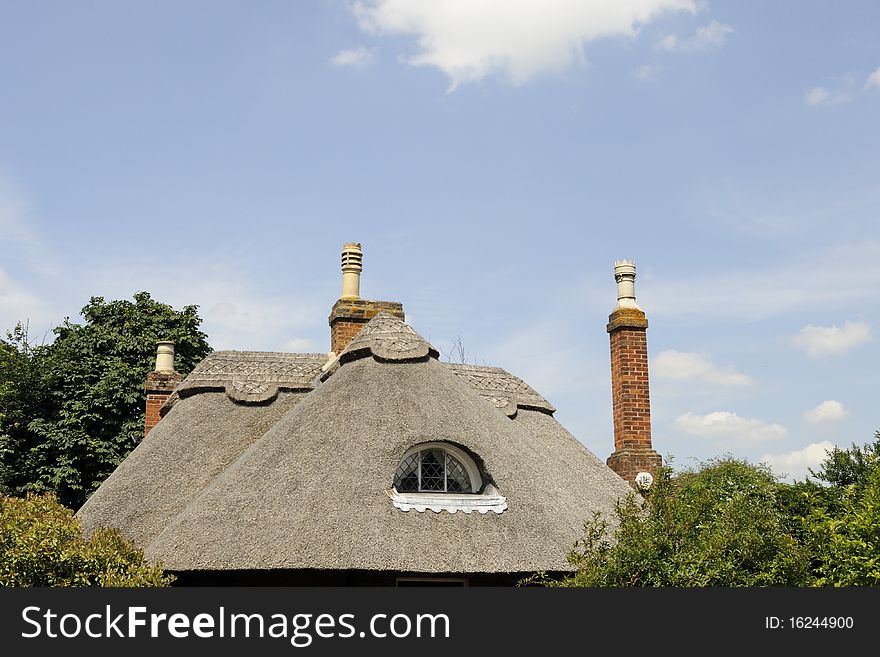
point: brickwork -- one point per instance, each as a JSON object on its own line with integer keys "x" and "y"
{"x": 159, "y": 386}
{"x": 633, "y": 452}
{"x": 630, "y": 463}
{"x": 348, "y": 317}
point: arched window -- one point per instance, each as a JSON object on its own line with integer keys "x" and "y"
{"x": 443, "y": 478}
{"x": 437, "y": 468}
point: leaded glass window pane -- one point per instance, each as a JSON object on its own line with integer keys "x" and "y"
{"x": 457, "y": 480}
{"x": 406, "y": 479}
{"x": 433, "y": 470}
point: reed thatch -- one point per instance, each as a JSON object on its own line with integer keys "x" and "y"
{"x": 299, "y": 477}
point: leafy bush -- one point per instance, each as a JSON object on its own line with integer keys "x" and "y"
{"x": 719, "y": 525}
{"x": 850, "y": 467}
{"x": 843, "y": 523}
{"x": 41, "y": 544}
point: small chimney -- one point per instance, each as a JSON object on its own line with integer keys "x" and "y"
{"x": 350, "y": 312}
{"x": 160, "y": 383}
{"x": 627, "y": 328}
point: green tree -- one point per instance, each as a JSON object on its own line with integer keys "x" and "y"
{"x": 849, "y": 467}
{"x": 843, "y": 521}
{"x": 23, "y": 397}
{"x": 41, "y": 544}
{"x": 82, "y": 409}
{"x": 719, "y": 525}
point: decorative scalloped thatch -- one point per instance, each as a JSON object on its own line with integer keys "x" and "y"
{"x": 388, "y": 338}
{"x": 504, "y": 390}
{"x": 253, "y": 377}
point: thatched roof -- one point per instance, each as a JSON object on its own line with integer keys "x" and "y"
{"x": 506, "y": 391}
{"x": 253, "y": 376}
{"x": 302, "y": 479}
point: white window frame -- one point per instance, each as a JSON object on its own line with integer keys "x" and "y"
{"x": 474, "y": 501}
{"x": 470, "y": 467}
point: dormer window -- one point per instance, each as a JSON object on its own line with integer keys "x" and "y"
{"x": 432, "y": 470}
{"x": 442, "y": 477}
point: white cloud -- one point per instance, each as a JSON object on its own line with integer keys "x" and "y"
{"x": 843, "y": 90}
{"x": 237, "y": 315}
{"x": 818, "y": 96}
{"x": 846, "y": 89}
{"x": 13, "y": 210}
{"x": 17, "y": 304}
{"x": 669, "y": 42}
{"x": 729, "y": 429}
{"x": 707, "y": 37}
{"x": 300, "y": 345}
{"x": 647, "y": 71}
{"x": 552, "y": 373}
{"x": 24, "y": 252}
{"x": 470, "y": 40}
{"x": 237, "y": 309}
{"x": 827, "y": 411}
{"x": 809, "y": 281}
{"x": 795, "y": 463}
{"x": 873, "y": 81}
{"x": 793, "y": 212}
{"x": 831, "y": 340}
{"x": 713, "y": 35}
{"x": 690, "y": 366}
{"x": 353, "y": 57}
{"x": 21, "y": 241}
{"x": 822, "y": 96}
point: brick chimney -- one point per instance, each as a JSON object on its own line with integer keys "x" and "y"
{"x": 627, "y": 327}
{"x": 350, "y": 312}
{"x": 160, "y": 383}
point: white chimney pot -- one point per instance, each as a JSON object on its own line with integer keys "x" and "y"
{"x": 352, "y": 265}
{"x": 625, "y": 275}
{"x": 165, "y": 357}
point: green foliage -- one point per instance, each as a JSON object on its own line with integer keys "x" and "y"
{"x": 719, "y": 525}
{"x": 23, "y": 397}
{"x": 850, "y": 467}
{"x": 71, "y": 410}
{"x": 41, "y": 544}
{"x": 843, "y": 523}
{"x": 730, "y": 523}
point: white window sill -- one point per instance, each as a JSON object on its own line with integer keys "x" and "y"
{"x": 482, "y": 503}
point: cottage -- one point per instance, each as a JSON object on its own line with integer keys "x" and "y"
{"x": 376, "y": 465}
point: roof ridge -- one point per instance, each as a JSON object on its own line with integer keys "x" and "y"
{"x": 388, "y": 338}
{"x": 253, "y": 376}
{"x": 506, "y": 391}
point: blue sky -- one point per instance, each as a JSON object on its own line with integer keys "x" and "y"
{"x": 494, "y": 159}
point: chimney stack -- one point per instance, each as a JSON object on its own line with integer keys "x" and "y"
{"x": 160, "y": 383}
{"x": 350, "y": 312}
{"x": 627, "y": 328}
